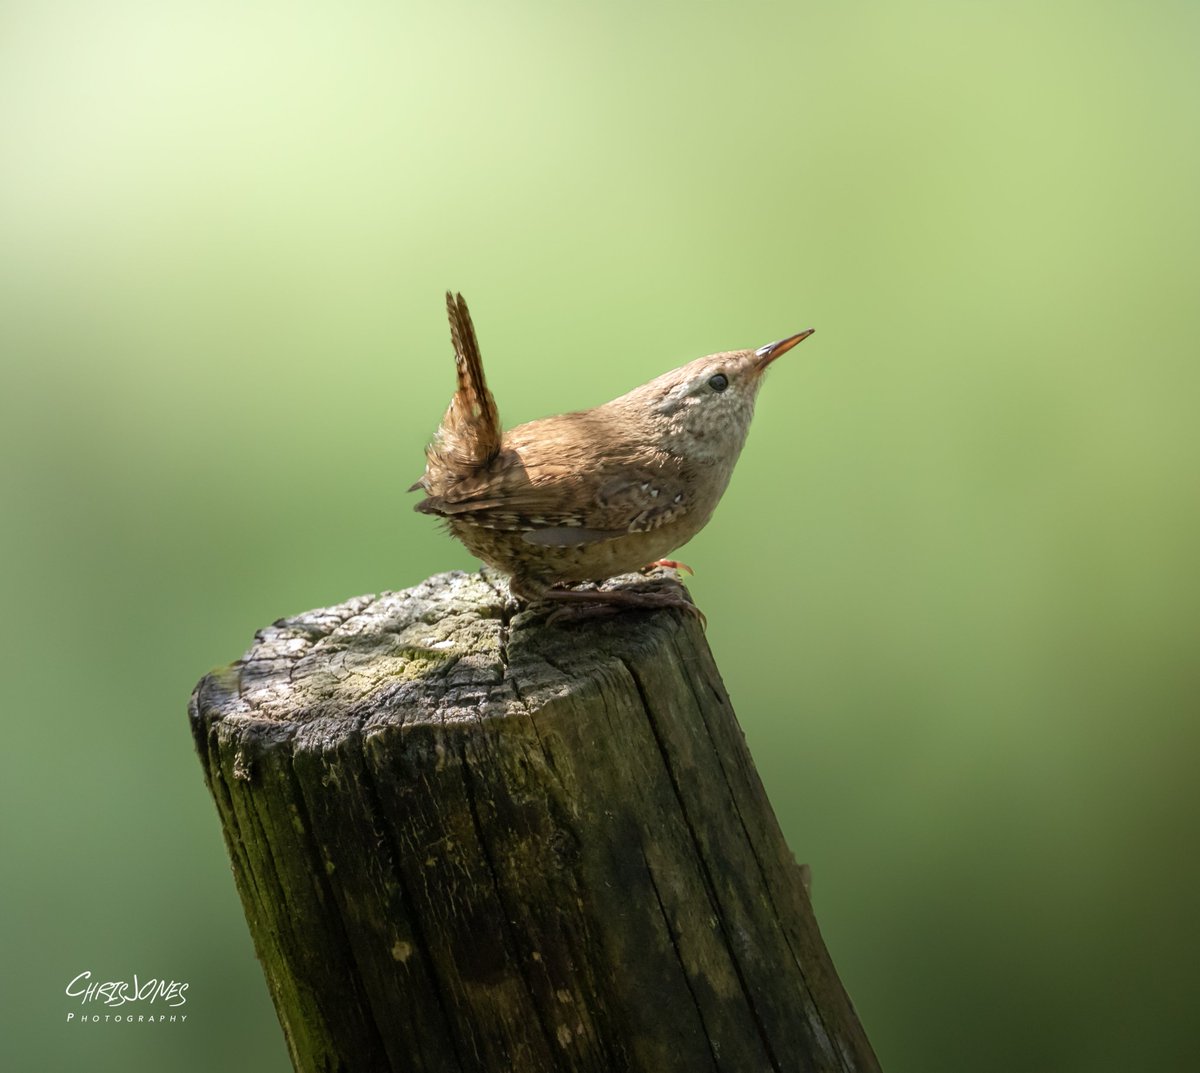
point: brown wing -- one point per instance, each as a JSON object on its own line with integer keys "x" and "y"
{"x": 555, "y": 506}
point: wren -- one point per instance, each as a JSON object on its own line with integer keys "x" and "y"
{"x": 584, "y": 496}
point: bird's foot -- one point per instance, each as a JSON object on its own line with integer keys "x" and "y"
{"x": 668, "y": 564}
{"x": 612, "y": 600}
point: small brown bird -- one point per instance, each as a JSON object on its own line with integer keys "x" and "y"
{"x": 585, "y": 496}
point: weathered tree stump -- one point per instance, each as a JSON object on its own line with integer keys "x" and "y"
{"x": 470, "y": 841}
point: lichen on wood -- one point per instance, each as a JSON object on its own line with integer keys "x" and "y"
{"x": 469, "y": 839}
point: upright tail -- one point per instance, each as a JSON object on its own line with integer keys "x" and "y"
{"x": 469, "y": 436}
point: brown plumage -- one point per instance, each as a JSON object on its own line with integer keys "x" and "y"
{"x": 470, "y": 434}
{"x": 585, "y": 496}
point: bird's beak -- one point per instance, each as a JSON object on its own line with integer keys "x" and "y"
{"x": 767, "y": 354}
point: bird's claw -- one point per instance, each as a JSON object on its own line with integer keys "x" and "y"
{"x": 668, "y": 564}
{"x": 612, "y": 600}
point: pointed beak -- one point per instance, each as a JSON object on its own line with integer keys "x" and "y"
{"x": 767, "y": 354}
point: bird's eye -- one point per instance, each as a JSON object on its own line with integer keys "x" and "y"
{"x": 718, "y": 382}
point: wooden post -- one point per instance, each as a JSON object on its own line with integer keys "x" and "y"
{"x": 466, "y": 841}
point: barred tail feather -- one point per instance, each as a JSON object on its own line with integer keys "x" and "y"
{"x": 476, "y": 420}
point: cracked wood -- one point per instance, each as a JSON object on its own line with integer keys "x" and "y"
{"x": 471, "y": 841}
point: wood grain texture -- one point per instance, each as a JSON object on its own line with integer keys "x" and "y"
{"x": 471, "y": 841}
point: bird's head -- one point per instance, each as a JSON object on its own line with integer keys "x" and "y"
{"x": 710, "y": 401}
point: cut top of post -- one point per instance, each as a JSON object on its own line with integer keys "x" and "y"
{"x": 453, "y": 648}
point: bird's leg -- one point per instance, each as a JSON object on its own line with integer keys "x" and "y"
{"x": 618, "y": 598}
{"x": 528, "y": 592}
{"x": 598, "y": 600}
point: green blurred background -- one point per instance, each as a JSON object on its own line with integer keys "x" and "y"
{"x": 952, "y": 587}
